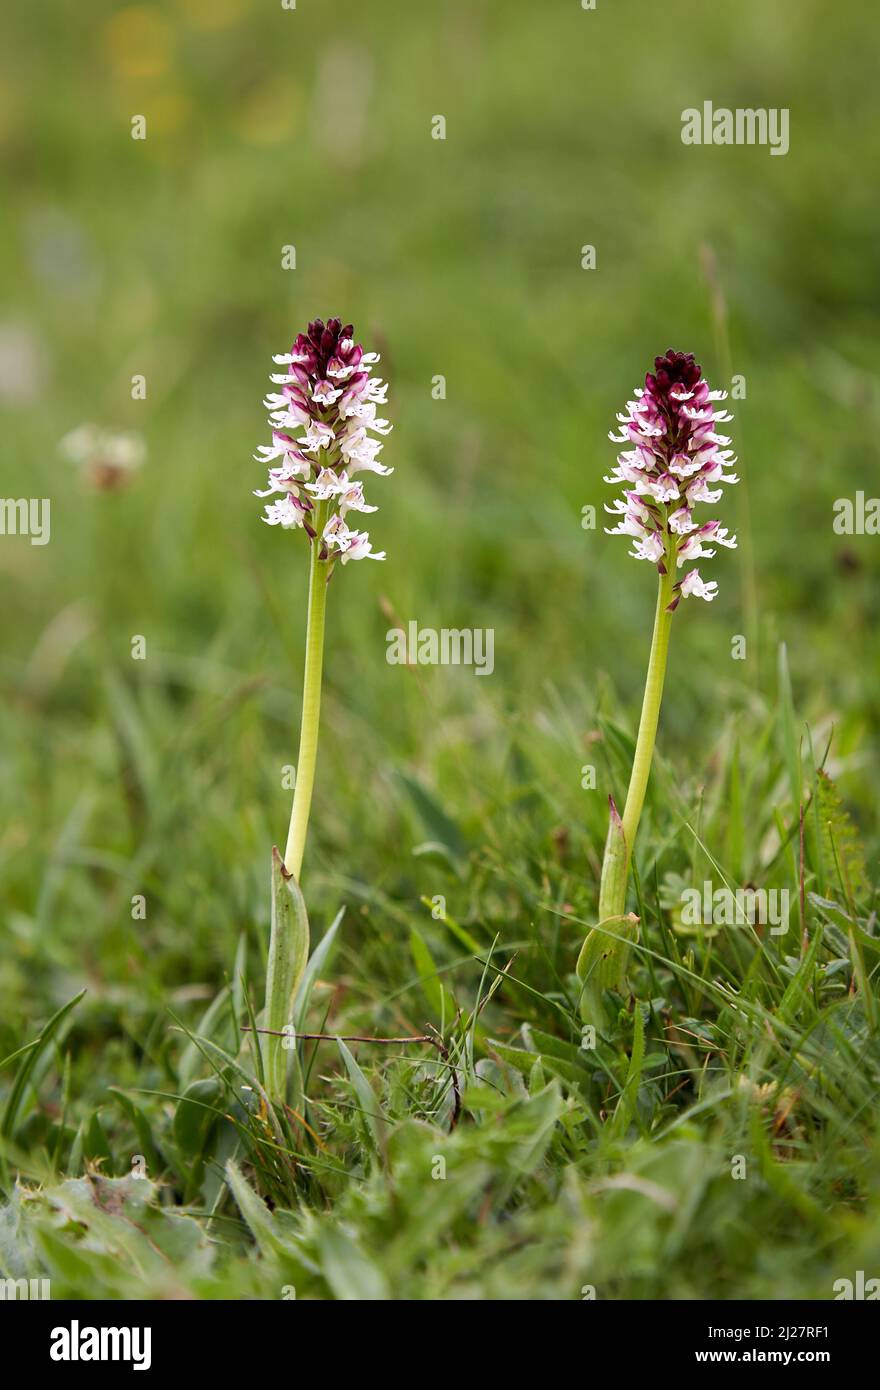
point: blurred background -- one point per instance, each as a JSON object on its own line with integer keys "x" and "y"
{"x": 161, "y": 258}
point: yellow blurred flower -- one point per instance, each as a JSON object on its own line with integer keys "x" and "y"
{"x": 213, "y": 14}
{"x": 138, "y": 42}
{"x": 270, "y": 112}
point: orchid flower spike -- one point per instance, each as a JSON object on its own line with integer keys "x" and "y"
{"x": 676, "y": 459}
{"x": 323, "y": 418}
{"x": 324, "y": 423}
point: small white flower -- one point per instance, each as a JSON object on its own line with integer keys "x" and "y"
{"x": 326, "y": 394}
{"x": 692, "y": 548}
{"x": 317, "y": 436}
{"x": 350, "y": 545}
{"x": 352, "y": 500}
{"x": 360, "y": 452}
{"x": 721, "y": 535}
{"x": 336, "y": 533}
{"x": 365, "y": 412}
{"x": 282, "y": 446}
{"x": 683, "y": 465}
{"x": 662, "y": 489}
{"x": 339, "y": 370}
{"x": 680, "y": 521}
{"x": 285, "y": 358}
{"x": 693, "y": 584}
{"x": 650, "y": 548}
{"x": 328, "y": 484}
{"x": 376, "y": 391}
{"x": 287, "y": 513}
{"x": 635, "y": 517}
{"x": 108, "y": 461}
{"x": 360, "y": 548}
{"x": 286, "y": 478}
{"x": 699, "y": 491}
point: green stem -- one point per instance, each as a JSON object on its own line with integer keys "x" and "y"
{"x": 644, "y": 754}
{"x": 319, "y": 572}
{"x": 604, "y": 956}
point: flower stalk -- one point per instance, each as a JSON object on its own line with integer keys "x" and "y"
{"x": 676, "y": 454}
{"x": 650, "y": 716}
{"x": 323, "y": 419}
{"x": 319, "y": 577}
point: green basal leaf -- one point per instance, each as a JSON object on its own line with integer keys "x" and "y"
{"x": 288, "y": 956}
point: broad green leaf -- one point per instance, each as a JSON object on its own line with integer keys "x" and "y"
{"x": 288, "y": 955}
{"x": 196, "y": 1115}
{"x": 352, "y": 1276}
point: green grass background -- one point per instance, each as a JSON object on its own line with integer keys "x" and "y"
{"x": 461, "y": 257}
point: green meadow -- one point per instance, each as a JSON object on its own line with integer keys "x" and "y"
{"x": 720, "y": 1138}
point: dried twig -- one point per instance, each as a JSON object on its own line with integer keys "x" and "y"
{"x": 433, "y": 1038}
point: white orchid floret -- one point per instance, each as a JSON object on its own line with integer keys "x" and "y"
{"x": 699, "y": 491}
{"x": 331, "y": 484}
{"x": 692, "y": 548}
{"x": 339, "y": 370}
{"x": 360, "y": 452}
{"x": 282, "y": 404}
{"x": 325, "y": 393}
{"x": 328, "y": 483}
{"x": 365, "y": 413}
{"x": 680, "y": 522}
{"x": 722, "y": 537}
{"x": 317, "y": 436}
{"x": 287, "y": 478}
{"x": 360, "y": 548}
{"x": 684, "y": 465}
{"x": 635, "y": 517}
{"x": 336, "y": 533}
{"x": 651, "y": 547}
{"x": 624, "y": 472}
{"x": 352, "y": 500}
{"x": 282, "y": 446}
{"x": 286, "y": 358}
{"x": 289, "y": 512}
{"x": 290, "y": 419}
{"x": 662, "y": 489}
{"x": 349, "y": 545}
{"x": 693, "y": 584}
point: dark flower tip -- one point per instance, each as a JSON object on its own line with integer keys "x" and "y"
{"x": 325, "y": 337}
{"x": 321, "y": 345}
{"x": 675, "y": 369}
